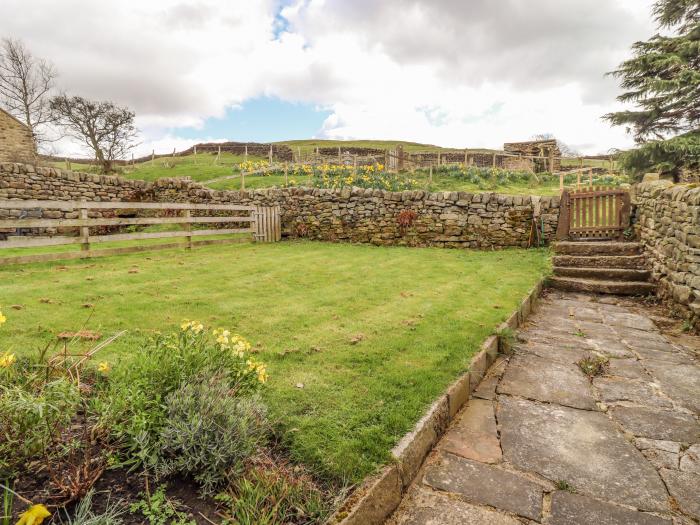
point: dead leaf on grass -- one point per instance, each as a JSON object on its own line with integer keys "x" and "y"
{"x": 88, "y": 305}
{"x": 299, "y": 385}
{"x": 356, "y": 338}
{"x": 17, "y": 307}
{"x": 406, "y": 294}
{"x": 46, "y": 300}
{"x": 134, "y": 270}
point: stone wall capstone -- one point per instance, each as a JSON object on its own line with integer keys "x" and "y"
{"x": 445, "y": 219}
{"x": 667, "y": 222}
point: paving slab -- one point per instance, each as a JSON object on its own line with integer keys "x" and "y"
{"x": 690, "y": 461}
{"x": 610, "y": 347}
{"x": 580, "y": 447}
{"x": 423, "y": 506}
{"x": 554, "y": 352}
{"x": 684, "y": 487}
{"x": 654, "y": 423}
{"x": 616, "y": 389}
{"x": 474, "y": 435}
{"x": 486, "y": 485}
{"x": 650, "y": 355}
{"x": 537, "y": 378}
{"x": 487, "y": 387}
{"x": 575, "y": 509}
{"x": 629, "y": 368}
{"x": 681, "y": 382}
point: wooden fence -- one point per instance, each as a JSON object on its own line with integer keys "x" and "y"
{"x": 262, "y": 223}
{"x": 594, "y": 213}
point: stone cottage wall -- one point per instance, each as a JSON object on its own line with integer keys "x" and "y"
{"x": 16, "y": 142}
{"x": 445, "y": 219}
{"x": 667, "y": 221}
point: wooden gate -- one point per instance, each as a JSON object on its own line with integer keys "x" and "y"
{"x": 593, "y": 213}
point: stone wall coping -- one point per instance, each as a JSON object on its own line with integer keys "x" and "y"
{"x": 377, "y": 498}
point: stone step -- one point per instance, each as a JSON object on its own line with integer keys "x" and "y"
{"x": 599, "y": 261}
{"x": 621, "y": 274}
{"x": 596, "y": 248}
{"x": 573, "y": 284}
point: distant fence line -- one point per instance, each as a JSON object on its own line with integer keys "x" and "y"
{"x": 396, "y": 159}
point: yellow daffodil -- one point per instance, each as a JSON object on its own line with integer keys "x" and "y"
{"x": 194, "y": 326}
{"x": 34, "y": 515}
{"x": 2, "y": 319}
{"x": 104, "y": 367}
{"x": 7, "y": 360}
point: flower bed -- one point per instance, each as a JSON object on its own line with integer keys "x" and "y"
{"x": 187, "y": 407}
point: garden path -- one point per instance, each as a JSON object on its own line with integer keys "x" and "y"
{"x": 541, "y": 442}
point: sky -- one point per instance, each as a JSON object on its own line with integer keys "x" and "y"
{"x": 457, "y": 73}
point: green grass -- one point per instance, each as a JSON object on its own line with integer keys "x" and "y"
{"x": 373, "y": 334}
{"x": 200, "y": 168}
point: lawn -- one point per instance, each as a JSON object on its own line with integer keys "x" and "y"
{"x": 358, "y": 339}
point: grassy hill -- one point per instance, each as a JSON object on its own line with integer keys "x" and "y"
{"x": 308, "y": 146}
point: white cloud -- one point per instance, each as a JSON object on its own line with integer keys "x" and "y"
{"x": 450, "y": 72}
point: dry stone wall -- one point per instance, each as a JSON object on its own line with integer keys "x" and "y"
{"x": 446, "y": 219}
{"x": 667, "y": 221}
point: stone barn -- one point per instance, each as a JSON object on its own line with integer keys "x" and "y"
{"x": 536, "y": 148}
{"x": 16, "y": 141}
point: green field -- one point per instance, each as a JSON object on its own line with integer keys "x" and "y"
{"x": 358, "y": 339}
{"x": 310, "y": 145}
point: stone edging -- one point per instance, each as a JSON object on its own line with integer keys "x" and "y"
{"x": 374, "y": 501}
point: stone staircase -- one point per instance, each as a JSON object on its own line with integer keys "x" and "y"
{"x": 601, "y": 266}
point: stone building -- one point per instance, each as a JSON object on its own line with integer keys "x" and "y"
{"x": 16, "y": 141}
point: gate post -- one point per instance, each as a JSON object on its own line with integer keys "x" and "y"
{"x": 564, "y": 217}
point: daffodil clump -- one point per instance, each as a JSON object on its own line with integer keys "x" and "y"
{"x": 7, "y": 359}
{"x": 254, "y": 165}
{"x": 371, "y": 176}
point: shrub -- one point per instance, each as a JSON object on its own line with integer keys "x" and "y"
{"x": 158, "y": 509}
{"x": 135, "y": 408}
{"x": 85, "y": 515}
{"x": 29, "y": 415}
{"x": 210, "y": 432}
{"x": 273, "y": 493}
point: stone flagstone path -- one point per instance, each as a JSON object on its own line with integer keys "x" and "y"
{"x": 540, "y": 442}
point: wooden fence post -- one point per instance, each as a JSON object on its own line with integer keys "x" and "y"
{"x": 188, "y": 228}
{"x": 561, "y": 181}
{"x": 245, "y": 154}
{"x": 153, "y": 156}
{"x": 195, "y": 153}
{"x": 218, "y": 154}
{"x": 465, "y": 158}
{"x": 84, "y": 230}
{"x": 286, "y": 170}
{"x": 270, "y": 154}
{"x": 564, "y": 218}
{"x": 493, "y": 163}
{"x": 340, "y": 156}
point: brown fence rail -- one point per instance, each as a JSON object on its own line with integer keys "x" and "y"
{"x": 262, "y": 223}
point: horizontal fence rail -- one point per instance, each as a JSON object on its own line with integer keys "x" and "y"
{"x": 263, "y": 224}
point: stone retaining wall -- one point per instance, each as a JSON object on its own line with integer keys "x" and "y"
{"x": 16, "y": 141}
{"x": 445, "y": 219}
{"x": 667, "y": 221}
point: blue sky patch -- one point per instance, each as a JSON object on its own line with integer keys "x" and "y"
{"x": 262, "y": 119}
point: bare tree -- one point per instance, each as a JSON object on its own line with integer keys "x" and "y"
{"x": 25, "y": 85}
{"x": 106, "y": 129}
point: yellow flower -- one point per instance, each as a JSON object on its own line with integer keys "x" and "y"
{"x": 2, "y": 319}
{"x": 194, "y": 326}
{"x": 34, "y": 515}
{"x": 7, "y": 359}
{"x": 104, "y": 367}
